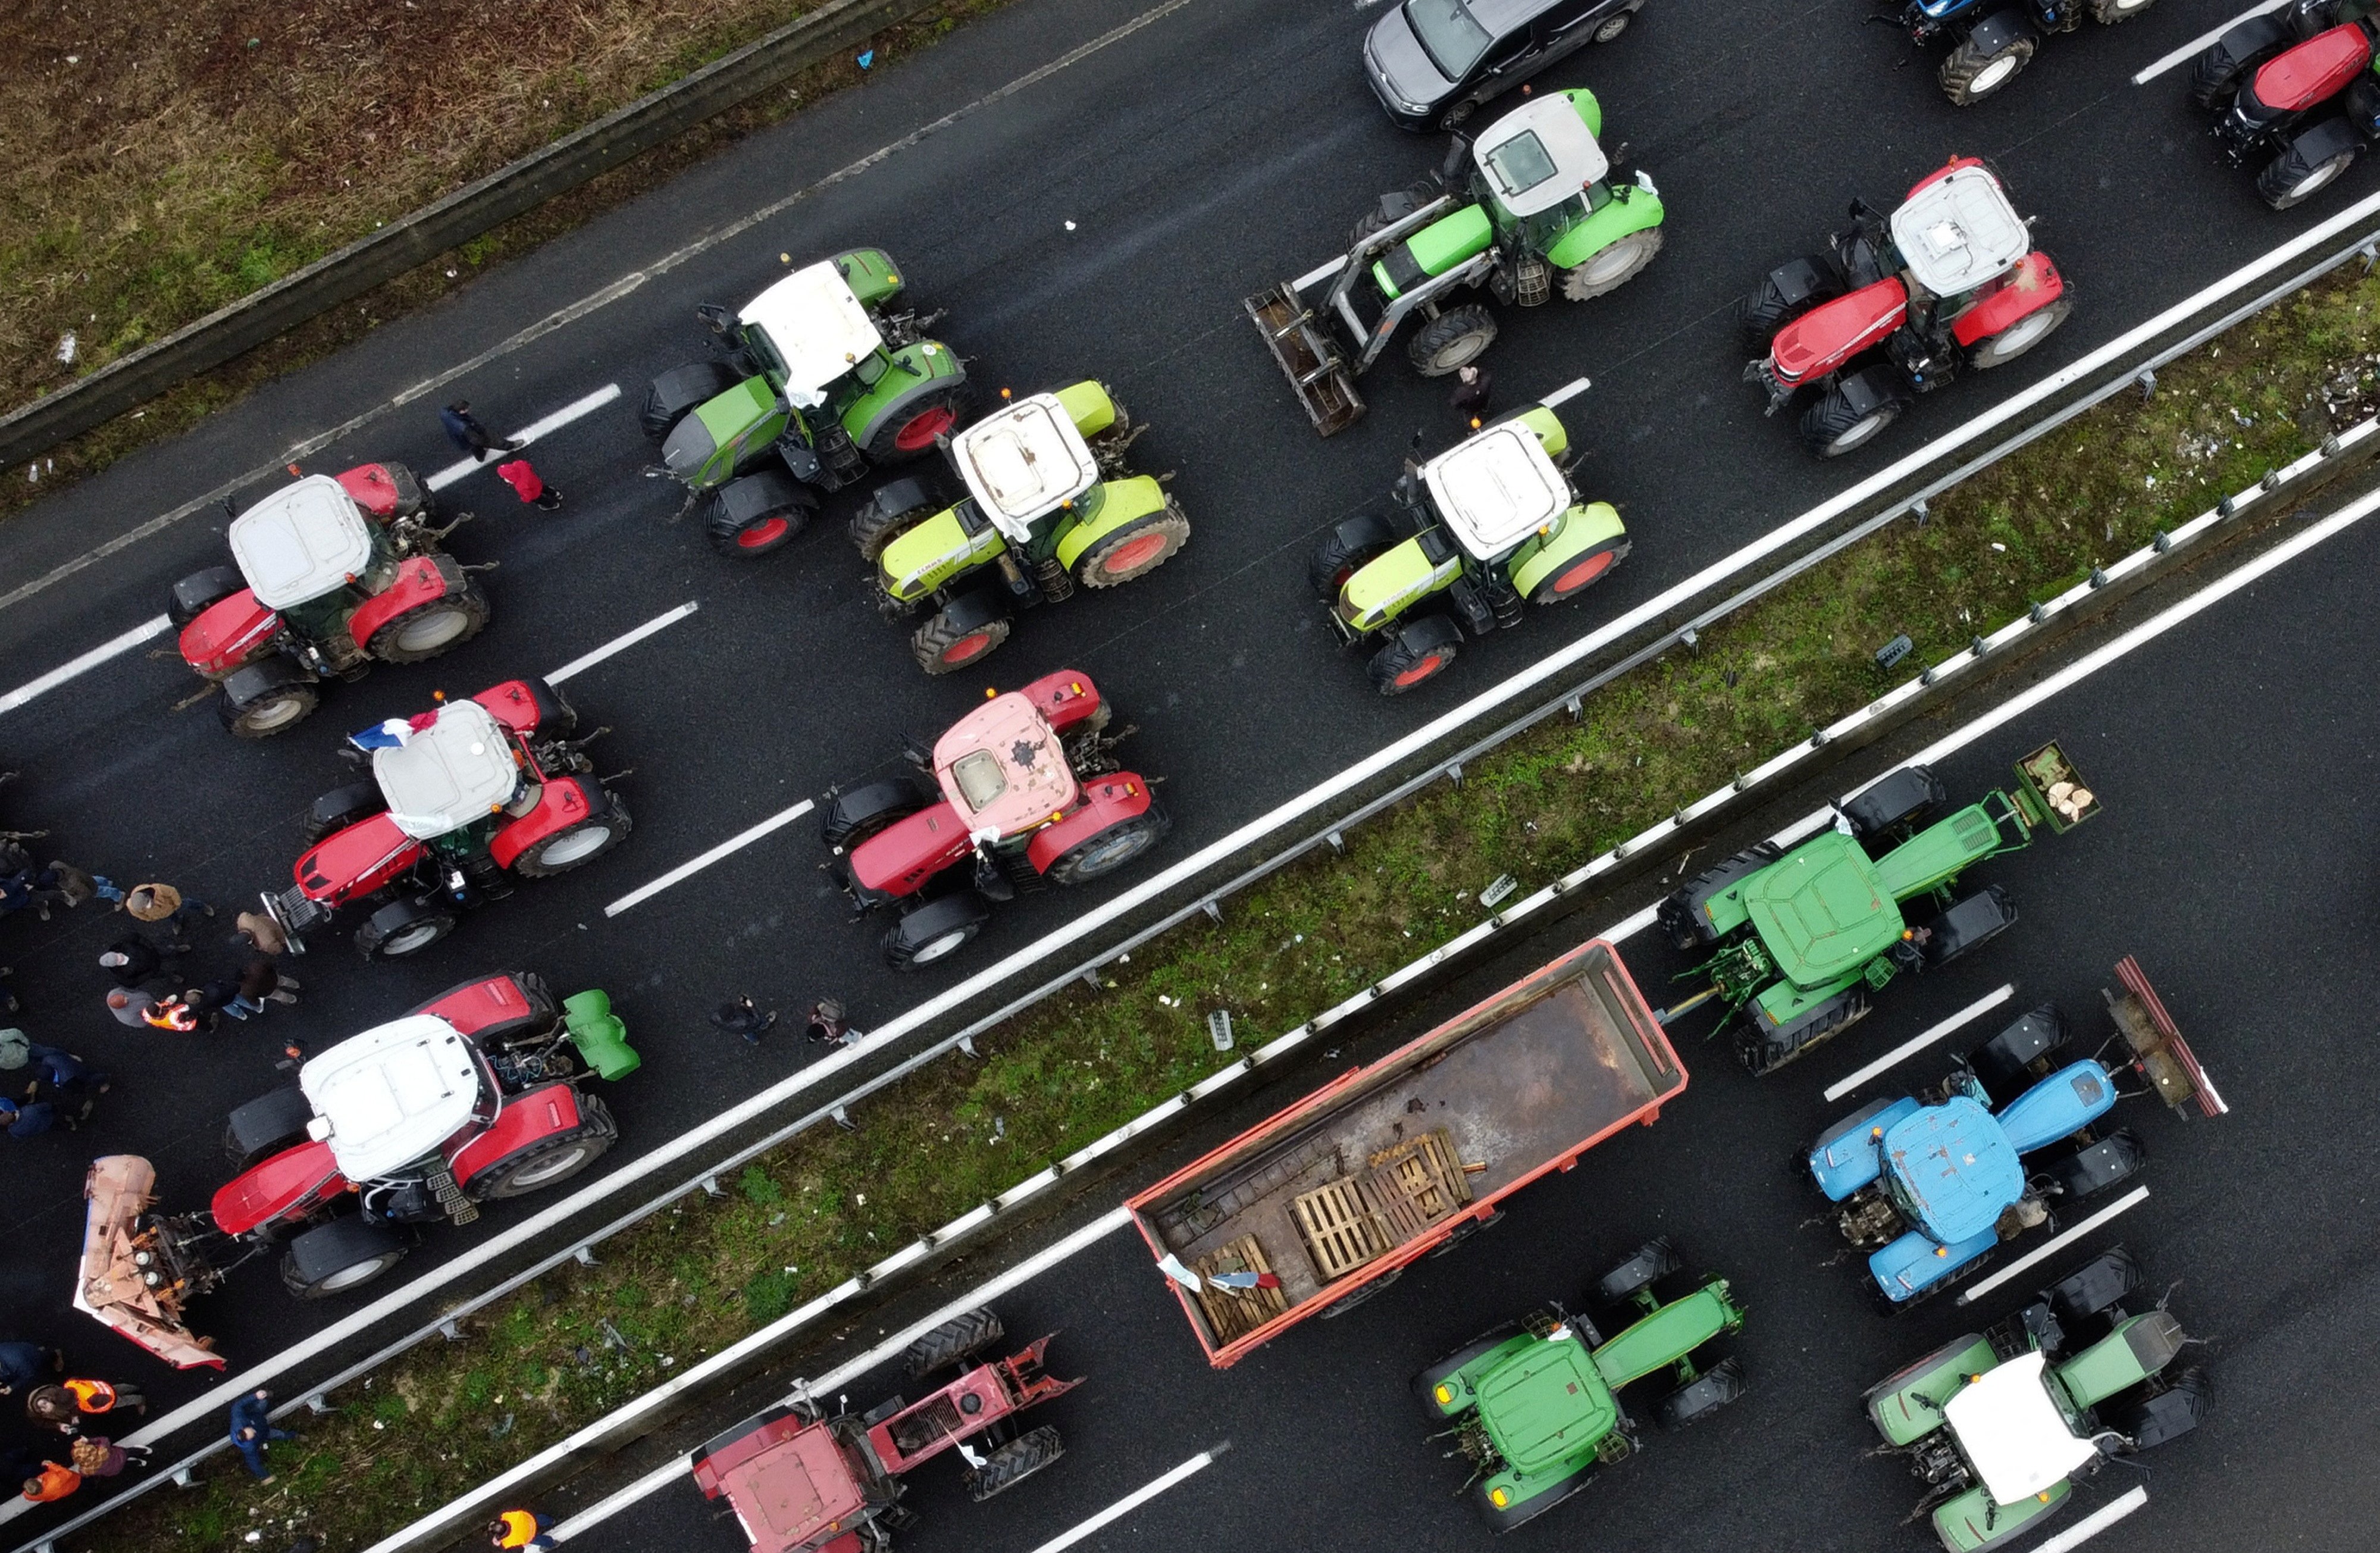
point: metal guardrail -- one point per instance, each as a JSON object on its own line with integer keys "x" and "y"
{"x": 420, "y": 236}
{"x": 2335, "y": 459}
{"x": 1555, "y": 686}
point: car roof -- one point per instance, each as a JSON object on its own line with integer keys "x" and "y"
{"x": 1504, "y": 18}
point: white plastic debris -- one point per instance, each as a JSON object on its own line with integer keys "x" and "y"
{"x": 66, "y": 351}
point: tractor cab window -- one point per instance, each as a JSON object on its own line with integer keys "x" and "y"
{"x": 979, "y": 778}
{"x": 1541, "y": 230}
{"x": 871, "y": 367}
{"x": 1518, "y": 165}
{"x": 1449, "y": 34}
{"x": 764, "y": 351}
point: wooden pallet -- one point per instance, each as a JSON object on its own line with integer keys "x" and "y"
{"x": 1343, "y": 1228}
{"x": 1232, "y": 1314}
{"x": 1417, "y": 1182}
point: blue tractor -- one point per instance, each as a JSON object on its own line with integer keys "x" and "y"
{"x": 1931, "y": 1186}
{"x": 1990, "y": 41}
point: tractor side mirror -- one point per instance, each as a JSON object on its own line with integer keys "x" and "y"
{"x": 716, "y": 319}
{"x": 1457, "y": 156}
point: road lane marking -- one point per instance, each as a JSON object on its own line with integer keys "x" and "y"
{"x": 683, "y": 871}
{"x": 572, "y": 411}
{"x": 2198, "y": 45}
{"x": 1916, "y": 1044}
{"x": 659, "y": 623}
{"x": 1135, "y": 1500}
{"x": 2050, "y": 1247}
{"x": 841, "y": 1375}
{"x": 146, "y": 631}
{"x": 2096, "y": 1521}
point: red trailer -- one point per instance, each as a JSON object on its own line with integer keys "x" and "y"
{"x": 1325, "y": 1203}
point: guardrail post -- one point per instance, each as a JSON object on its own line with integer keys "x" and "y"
{"x": 1921, "y": 511}
{"x": 966, "y": 1044}
{"x": 584, "y": 1255}
{"x": 450, "y": 1332}
{"x": 2147, "y": 380}
{"x": 1337, "y": 842}
{"x": 185, "y": 1478}
{"x": 842, "y": 1120}
{"x": 711, "y": 1187}
{"x": 1212, "y": 907}
{"x": 316, "y": 1405}
{"x": 1454, "y": 774}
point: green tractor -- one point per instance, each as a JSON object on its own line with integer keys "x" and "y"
{"x": 1527, "y": 206}
{"x": 1535, "y": 1404}
{"x": 1802, "y": 936}
{"x": 1469, "y": 540}
{"x": 1998, "y": 1425}
{"x": 1049, "y": 506}
{"x": 822, "y": 372}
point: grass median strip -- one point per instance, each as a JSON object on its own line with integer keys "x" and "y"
{"x": 581, "y": 1341}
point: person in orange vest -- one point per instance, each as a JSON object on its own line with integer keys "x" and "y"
{"x": 520, "y": 1529}
{"x": 55, "y": 1483}
{"x": 64, "y": 1406}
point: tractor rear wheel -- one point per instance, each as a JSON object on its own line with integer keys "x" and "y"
{"x": 1701, "y": 1397}
{"x": 426, "y": 630}
{"x": 2312, "y": 162}
{"x": 2110, "y": 12}
{"x": 404, "y": 928}
{"x": 1970, "y": 74}
{"x": 1104, "y": 854}
{"x": 1426, "y": 1383}
{"x": 1610, "y": 268}
{"x": 2019, "y": 337}
{"x": 934, "y": 929}
{"x": 1834, "y": 426}
{"x": 550, "y": 1160}
{"x": 342, "y": 1255}
{"x": 275, "y": 710}
{"x": 1453, "y": 339}
{"x": 343, "y": 806}
{"x": 578, "y": 845}
{"x": 2225, "y": 66}
{"x": 1014, "y": 1462}
{"x": 908, "y": 427}
{"x": 1135, "y": 550}
{"x": 1420, "y": 652}
{"x": 1648, "y": 1264}
{"x": 942, "y": 644}
{"x": 953, "y": 1342}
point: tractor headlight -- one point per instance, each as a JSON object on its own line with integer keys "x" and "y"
{"x": 1499, "y": 1498}
{"x": 1445, "y": 1394}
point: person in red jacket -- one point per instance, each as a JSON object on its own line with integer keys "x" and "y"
{"x": 55, "y": 1483}
{"x": 527, "y": 486}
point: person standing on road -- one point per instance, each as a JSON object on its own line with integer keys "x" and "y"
{"x": 133, "y": 960}
{"x": 463, "y": 428}
{"x": 70, "y": 1078}
{"x": 517, "y": 1529}
{"x": 528, "y": 486}
{"x": 22, "y": 1363}
{"x": 252, "y": 1430}
{"x": 98, "y": 1456}
{"x": 162, "y": 902}
{"x": 261, "y": 982}
{"x": 741, "y": 1016}
{"x": 1472, "y": 387}
{"x": 260, "y": 932}
{"x": 65, "y": 1405}
{"x": 31, "y": 1119}
{"x": 54, "y": 1482}
{"x": 827, "y": 1024}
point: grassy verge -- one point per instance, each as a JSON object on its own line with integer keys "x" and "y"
{"x": 167, "y": 164}
{"x": 665, "y": 1295}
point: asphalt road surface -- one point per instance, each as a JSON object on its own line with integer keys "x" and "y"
{"x": 2237, "y": 757}
{"x": 1104, "y": 219}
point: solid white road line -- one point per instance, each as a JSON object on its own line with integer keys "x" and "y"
{"x": 1916, "y": 1044}
{"x": 530, "y": 433}
{"x": 617, "y": 644}
{"x": 688, "y": 870}
{"x": 2056, "y": 1243}
{"x": 1135, "y": 1500}
{"x": 2096, "y": 1521}
{"x": 89, "y": 660}
{"x": 842, "y": 1374}
{"x": 2197, "y": 45}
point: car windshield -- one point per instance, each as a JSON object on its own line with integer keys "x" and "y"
{"x": 979, "y": 778}
{"x": 1521, "y": 163}
{"x": 1449, "y": 32}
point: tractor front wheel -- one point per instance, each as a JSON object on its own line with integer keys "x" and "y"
{"x": 1420, "y": 652}
{"x": 1135, "y": 550}
{"x": 953, "y": 1342}
{"x": 2221, "y": 70}
{"x": 864, "y": 811}
{"x": 1110, "y": 849}
{"x": 1346, "y": 550}
{"x": 2314, "y": 160}
{"x": 891, "y": 512}
{"x": 2110, "y": 12}
{"x": 1702, "y": 1396}
{"x": 1834, "y": 426}
{"x": 404, "y": 928}
{"x": 671, "y": 395}
{"x": 200, "y": 591}
{"x": 1453, "y": 339}
{"x": 275, "y": 710}
{"x": 2019, "y": 337}
{"x": 1648, "y": 1264}
{"x": 578, "y": 845}
{"x": 1014, "y": 1462}
{"x": 552, "y": 1159}
{"x": 1613, "y": 267}
{"x": 942, "y": 644}
{"x": 1970, "y": 74}
{"x": 933, "y": 929}
{"x": 427, "y": 630}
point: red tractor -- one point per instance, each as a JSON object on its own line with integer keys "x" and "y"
{"x": 460, "y": 800}
{"x": 1901, "y": 304}
{"x": 472, "y": 1097}
{"x": 800, "y": 1482}
{"x": 2297, "y": 93}
{"x": 1029, "y": 796}
{"x": 331, "y": 575}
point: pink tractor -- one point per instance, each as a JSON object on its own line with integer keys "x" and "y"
{"x": 472, "y": 1097}
{"x": 2296, "y": 94}
{"x": 330, "y": 575}
{"x": 1899, "y": 305}
{"x": 459, "y": 801}
{"x": 803, "y": 1483}
{"x": 1029, "y": 795}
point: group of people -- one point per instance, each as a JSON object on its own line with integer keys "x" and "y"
{"x": 71, "y": 1419}
{"x": 151, "y": 990}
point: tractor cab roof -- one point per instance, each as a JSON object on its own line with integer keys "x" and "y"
{"x": 1954, "y": 1168}
{"x": 458, "y": 770}
{"x": 1023, "y": 463}
{"x": 1958, "y": 230}
{"x": 1538, "y": 155}
{"x": 817, "y": 327}
{"x": 1821, "y": 910}
{"x": 1546, "y": 1405}
{"x": 386, "y": 1097}
{"x": 300, "y": 542}
{"x": 1003, "y": 768}
{"x": 1496, "y": 489}
{"x": 788, "y": 1494}
{"x": 2013, "y": 1432}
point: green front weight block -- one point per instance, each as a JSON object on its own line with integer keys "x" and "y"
{"x": 599, "y": 1035}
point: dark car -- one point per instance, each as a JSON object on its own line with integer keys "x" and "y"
{"x": 1432, "y": 63}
